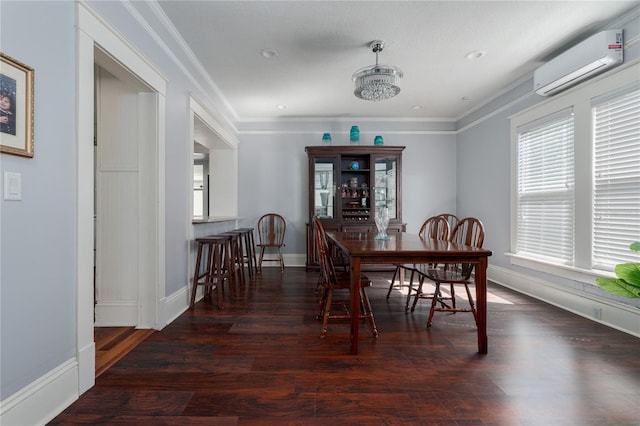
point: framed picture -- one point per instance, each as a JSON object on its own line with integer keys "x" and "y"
{"x": 16, "y": 107}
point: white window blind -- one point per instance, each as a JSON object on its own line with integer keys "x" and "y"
{"x": 616, "y": 164}
{"x": 545, "y": 221}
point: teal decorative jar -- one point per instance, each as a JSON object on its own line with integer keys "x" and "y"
{"x": 354, "y": 136}
{"x": 378, "y": 140}
{"x": 326, "y": 139}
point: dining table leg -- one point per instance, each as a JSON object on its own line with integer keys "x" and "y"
{"x": 355, "y": 303}
{"x": 481, "y": 304}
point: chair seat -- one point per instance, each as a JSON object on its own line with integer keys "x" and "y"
{"x": 442, "y": 274}
{"x": 343, "y": 280}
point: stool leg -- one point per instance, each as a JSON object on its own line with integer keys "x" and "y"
{"x": 261, "y": 257}
{"x": 242, "y": 244}
{"x": 252, "y": 249}
{"x": 195, "y": 277}
{"x": 218, "y": 274}
{"x": 209, "y": 276}
{"x": 239, "y": 259}
{"x": 246, "y": 253}
{"x": 227, "y": 263}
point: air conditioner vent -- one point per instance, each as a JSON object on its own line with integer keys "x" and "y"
{"x": 594, "y": 55}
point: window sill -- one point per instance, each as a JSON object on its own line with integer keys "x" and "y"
{"x": 212, "y": 219}
{"x": 569, "y": 272}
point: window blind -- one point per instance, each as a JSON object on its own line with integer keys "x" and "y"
{"x": 545, "y": 205}
{"x": 616, "y": 170}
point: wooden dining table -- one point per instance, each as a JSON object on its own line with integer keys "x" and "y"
{"x": 401, "y": 247}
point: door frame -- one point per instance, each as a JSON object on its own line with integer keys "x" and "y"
{"x": 94, "y": 33}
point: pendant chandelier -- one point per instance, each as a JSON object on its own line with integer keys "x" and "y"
{"x": 377, "y": 82}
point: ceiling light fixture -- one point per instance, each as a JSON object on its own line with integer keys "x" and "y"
{"x": 377, "y": 82}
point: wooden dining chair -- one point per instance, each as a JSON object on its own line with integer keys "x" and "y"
{"x": 470, "y": 232}
{"x": 333, "y": 282}
{"x": 271, "y": 230}
{"x": 434, "y": 227}
{"x": 452, "y": 220}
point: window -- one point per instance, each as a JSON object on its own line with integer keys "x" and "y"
{"x": 576, "y": 178}
{"x": 546, "y": 189}
{"x": 616, "y": 164}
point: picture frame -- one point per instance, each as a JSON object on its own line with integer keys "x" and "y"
{"x": 16, "y": 107}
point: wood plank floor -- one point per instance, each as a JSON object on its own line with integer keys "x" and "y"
{"x": 260, "y": 361}
{"x": 113, "y": 343}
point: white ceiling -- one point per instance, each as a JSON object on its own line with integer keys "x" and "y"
{"x": 320, "y": 44}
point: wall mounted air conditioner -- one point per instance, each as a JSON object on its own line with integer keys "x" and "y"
{"x": 598, "y": 53}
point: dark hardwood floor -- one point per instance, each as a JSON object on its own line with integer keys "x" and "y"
{"x": 260, "y": 361}
{"x": 113, "y": 343}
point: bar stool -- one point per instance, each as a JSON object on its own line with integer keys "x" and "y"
{"x": 211, "y": 250}
{"x": 248, "y": 250}
{"x": 235, "y": 257}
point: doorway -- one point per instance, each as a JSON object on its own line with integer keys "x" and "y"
{"x": 98, "y": 46}
{"x": 121, "y": 104}
{"x": 117, "y": 192}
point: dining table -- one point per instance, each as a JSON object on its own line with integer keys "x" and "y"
{"x": 362, "y": 248}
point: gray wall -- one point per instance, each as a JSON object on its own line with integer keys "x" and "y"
{"x": 273, "y": 177}
{"x": 37, "y": 234}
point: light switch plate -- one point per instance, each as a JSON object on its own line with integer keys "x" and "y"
{"x": 12, "y": 186}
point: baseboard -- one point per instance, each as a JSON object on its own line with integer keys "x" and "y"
{"x": 290, "y": 260}
{"x": 116, "y": 314}
{"x": 174, "y": 305}
{"x": 86, "y": 367}
{"x": 608, "y": 312}
{"x": 43, "y": 399}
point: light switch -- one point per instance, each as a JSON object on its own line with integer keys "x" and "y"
{"x": 12, "y": 186}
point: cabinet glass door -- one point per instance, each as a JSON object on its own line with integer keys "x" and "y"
{"x": 324, "y": 188}
{"x": 386, "y": 186}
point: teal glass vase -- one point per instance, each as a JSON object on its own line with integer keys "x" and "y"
{"x": 354, "y": 136}
{"x": 326, "y": 139}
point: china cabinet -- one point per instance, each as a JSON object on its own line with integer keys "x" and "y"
{"x": 347, "y": 184}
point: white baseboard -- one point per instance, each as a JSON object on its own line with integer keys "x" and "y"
{"x": 290, "y": 260}
{"x": 116, "y": 314}
{"x": 42, "y": 400}
{"x": 174, "y": 305}
{"x": 86, "y": 367}
{"x": 608, "y": 312}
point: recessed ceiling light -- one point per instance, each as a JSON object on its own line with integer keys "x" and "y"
{"x": 475, "y": 54}
{"x": 281, "y": 106}
{"x": 269, "y": 53}
{"x": 416, "y": 107}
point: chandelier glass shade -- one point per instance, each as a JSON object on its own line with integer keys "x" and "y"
{"x": 377, "y": 82}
